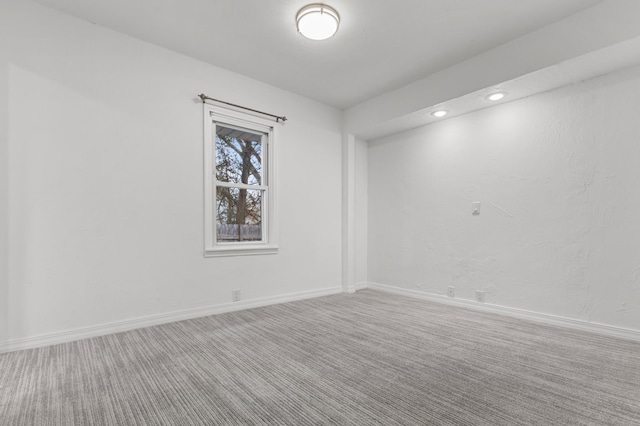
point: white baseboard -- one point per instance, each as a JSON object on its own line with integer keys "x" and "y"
{"x": 607, "y": 330}
{"x": 131, "y": 324}
{"x": 119, "y": 326}
{"x": 361, "y": 286}
{"x": 352, "y": 288}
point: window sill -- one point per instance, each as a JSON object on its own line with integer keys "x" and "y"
{"x": 240, "y": 250}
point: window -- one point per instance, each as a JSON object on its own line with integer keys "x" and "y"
{"x": 240, "y": 216}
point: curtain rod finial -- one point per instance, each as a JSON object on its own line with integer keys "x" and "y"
{"x": 202, "y": 96}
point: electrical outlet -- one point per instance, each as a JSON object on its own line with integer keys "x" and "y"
{"x": 235, "y": 295}
{"x": 451, "y": 292}
{"x": 480, "y": 296}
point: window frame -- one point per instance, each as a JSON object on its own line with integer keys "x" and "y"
{"x": 213, "y": 116}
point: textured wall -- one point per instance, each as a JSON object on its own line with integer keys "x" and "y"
{"x": 558, "y": 178}
{"x": 106, "y": 184}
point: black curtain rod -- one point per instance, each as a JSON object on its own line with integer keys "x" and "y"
{"x": 277, "y": 117}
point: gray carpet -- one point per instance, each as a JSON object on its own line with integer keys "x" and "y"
{"x": 363, "y": 359}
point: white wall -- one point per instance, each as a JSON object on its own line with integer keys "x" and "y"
{"x": 106, "y": 186}
{"x": 354, "y": 213}
{"x": 558, "y": 178}
{"x": 361, "y": 213}
{"x": 4, "y": 191}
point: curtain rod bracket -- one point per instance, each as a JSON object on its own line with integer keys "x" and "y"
{"x": 277, "y": 117}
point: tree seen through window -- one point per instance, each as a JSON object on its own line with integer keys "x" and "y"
{"x": 239, "y": 192}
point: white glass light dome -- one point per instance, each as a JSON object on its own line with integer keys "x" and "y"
{"x": 317, "y": 21}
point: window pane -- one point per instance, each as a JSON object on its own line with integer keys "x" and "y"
{"x": 239, "y": 214}
{"x": 238, "y": 156}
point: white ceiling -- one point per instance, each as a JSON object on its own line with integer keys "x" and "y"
{"x": 381, "y": 45}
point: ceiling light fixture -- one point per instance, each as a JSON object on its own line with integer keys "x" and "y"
{"x": 496, "y": 96}
{"x": 439, "y": 113}
{"x": 317, "y": 21}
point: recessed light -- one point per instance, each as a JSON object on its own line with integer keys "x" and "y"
{"x": 439, "y": 113}
{"x": 496, "y": 96}
{"x": 317, "y": 21}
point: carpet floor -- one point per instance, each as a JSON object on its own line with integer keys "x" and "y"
{"x": 364, "y": 359}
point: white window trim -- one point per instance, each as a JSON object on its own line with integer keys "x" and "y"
{"x": 215, "y": 114}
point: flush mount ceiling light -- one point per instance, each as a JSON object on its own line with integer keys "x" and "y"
{"x": 496, "y": 96}
{"x": 439, "y": 113}
{"x": 317, "y": 21}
